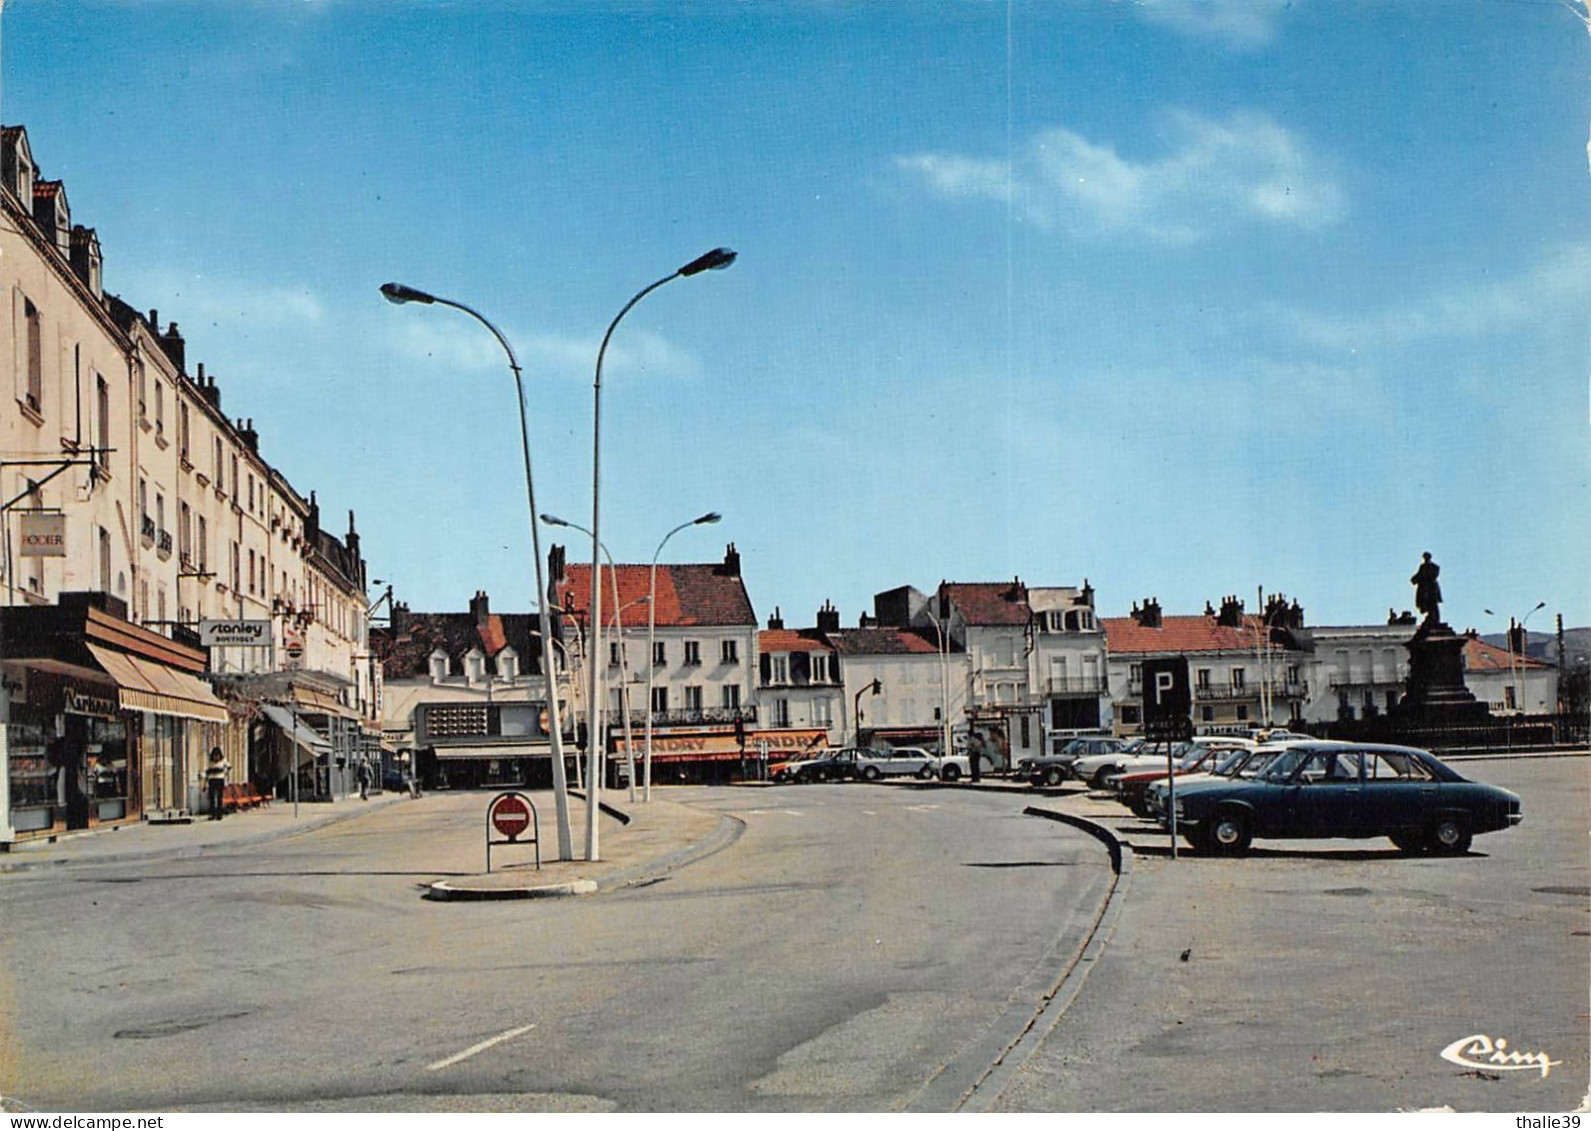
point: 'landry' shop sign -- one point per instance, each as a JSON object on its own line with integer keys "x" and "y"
{"x": 683, "y": 745}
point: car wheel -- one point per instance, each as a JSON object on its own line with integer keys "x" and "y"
{"x": 1450, "y": 836}
{"x": 1228, "y": 834}
{"x": 870, "y": 773}
{"x": 950, "y": 773}
{"x": 1054, "y": 776}
{"x": 1098, "y": 780}
{"x": 926, "y": 773}
{"x": 1140, "y": 807}
{"x": 1411, "y": 843}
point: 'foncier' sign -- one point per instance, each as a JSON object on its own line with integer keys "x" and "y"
{"x": 235, "y": 633}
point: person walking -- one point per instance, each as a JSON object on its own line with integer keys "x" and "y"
{"x": 363, "y": 774}
{"x": 215, "y": 781}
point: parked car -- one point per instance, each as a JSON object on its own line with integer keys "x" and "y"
{"x": 1052, "y": 769}
{"x": 790, "y": 767}
{"x": 1098, "y": 769}
{"x": 902, "y": 761}
{"x": 831, "y": 765}
{"x": 1132, "y": 784}
{"x": 958, "y": 766}
{"x": 1339, "y": 789}
{"x": 1243, "y": 763}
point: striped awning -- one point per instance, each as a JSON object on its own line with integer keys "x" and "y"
{"x": 144, "y": 685}
{"x": 315, "y": 702}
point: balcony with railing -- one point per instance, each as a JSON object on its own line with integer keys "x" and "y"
{"x": 146, "y": 530}
{"x": 706, "y": 716}
{"x": 1075, "y": 685}
{"x": 163, "y": 543}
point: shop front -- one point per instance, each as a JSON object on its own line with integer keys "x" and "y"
{"x": 101, "y": 721}
{"x": 498, "y": 766}
{"x": 689, "y": 756}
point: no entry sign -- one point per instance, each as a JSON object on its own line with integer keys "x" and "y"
{"x": 510, "y": 815}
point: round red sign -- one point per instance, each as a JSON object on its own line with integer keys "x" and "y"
{"x": 510, "y": 816}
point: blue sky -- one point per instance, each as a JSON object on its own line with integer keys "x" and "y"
{"x": 1184, "y": 298}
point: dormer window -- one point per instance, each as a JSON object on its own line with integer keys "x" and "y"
{"x": 474, "y": 665}
{"x": 438, "y": 666}
{"x": 508, "y": 665}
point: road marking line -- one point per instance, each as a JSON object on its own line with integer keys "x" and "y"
{"x": 482, "y": 1047}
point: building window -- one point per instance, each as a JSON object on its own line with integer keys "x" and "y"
{"x": 104, "y": 560}
{"x": 251, "y": 571}
{"x": 438, "y": 666}
{"x": 1242, "y": 713}
{"x": 731, "y": 696}
{"x": 820, "y": 668}
{"x": 693, "y": 652}
{"x": 659, "y": 653}
{"x": 1239, "y": 678}
{"x": 182, "y": 431}
{"x": 613, "y": 653}
{"x": 160, "y": 410}
{"x": 659, "y": 699}
{"x": 34, "y": 394}
{"x": 220, "y": 467}
{"x": 508, "y": 665}
{"x": 1202, "y": 679}
{"x": 822, "y": 712}
{"x": 1135, "y": 674}
{"x": 1292, "y": 675}
{"x": 204, "y": 540}
{"x": 779, "y": 667}
{"x": 103, "y": 393}
{"x": 693, "y": 697}
{"x": 237, "y": 569}
{"x": 1207, "y": 714}
{"x": 730, "y": 652}
{"x": 1130, "y": 713}
{"x": 234, "y": 477}
{"x": 781, "y": 712}
{"x": 185, "y": 534}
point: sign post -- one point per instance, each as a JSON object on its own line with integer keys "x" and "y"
{"x": 1168, "y": 718}
{"x": 511, "y": 814}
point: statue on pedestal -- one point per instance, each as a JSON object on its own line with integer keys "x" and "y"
{"x": 1427, "y": 593}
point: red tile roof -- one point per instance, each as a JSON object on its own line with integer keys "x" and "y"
{"x": 787, "y": 640}
{"x": 989, "y": 603}
{"x": 687, "y": 595}
{"x": 1480, "y": 656}
{"x": 1178, "y": 635}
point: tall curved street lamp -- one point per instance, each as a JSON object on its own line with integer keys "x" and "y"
{"x": 715, "y": 260}
{"x": 651, "y": 635}
{"x": 399, "y": 294}
{"x": 1514, "y": 672}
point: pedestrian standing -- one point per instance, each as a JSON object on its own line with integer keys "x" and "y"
{"x": 215, "y": 781}
{"x": 363, "y": 773}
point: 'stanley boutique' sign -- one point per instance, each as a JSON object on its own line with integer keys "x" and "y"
{"x": 235, "y": 633}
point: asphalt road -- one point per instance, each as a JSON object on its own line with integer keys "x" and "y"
{"x": 858, "y": 948}
{"x": 1330, "y": 975}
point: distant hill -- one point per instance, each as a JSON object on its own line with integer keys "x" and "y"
{"x": 1544, "y": 646}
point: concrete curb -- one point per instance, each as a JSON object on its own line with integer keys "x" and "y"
{"x": 983, "y": 1069}
{"x": 444, "y": 892}
{"x": 986, "y": 1092}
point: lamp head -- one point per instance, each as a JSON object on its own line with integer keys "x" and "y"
{"x": 399, "y": 294}
{"x": 708, "y": 518}
{"x": 553, "y": 520}
{"x": 715, "y": 260}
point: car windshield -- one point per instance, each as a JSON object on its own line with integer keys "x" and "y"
{"x": 1285, "y": 763}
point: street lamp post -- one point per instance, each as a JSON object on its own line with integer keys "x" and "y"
{"x": 1514, "y": 668}
{"x": 944, "y": 690}
{"x": 618, "y": 622}
{"x": 715, "y": 260}
{"x": 875, "y": 687}
{"x": 651, "y": 637}
{"x": 398, "y": 293}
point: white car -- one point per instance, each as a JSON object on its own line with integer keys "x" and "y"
{"x": 958, "y": 766}
{"x": 903, "y": 761}
{"x": 1098, "y": 769}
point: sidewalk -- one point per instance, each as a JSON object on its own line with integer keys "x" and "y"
{"x": 637, "y": 843}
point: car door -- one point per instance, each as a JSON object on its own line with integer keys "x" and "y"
{"x": 1326, "y": 796}
{"x": 1399, "y": 794}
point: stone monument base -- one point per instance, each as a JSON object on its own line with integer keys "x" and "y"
{"x": 1436, "y": 693}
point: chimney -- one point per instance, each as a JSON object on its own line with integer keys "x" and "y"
{"x": 208, "y": 389}
{"x": 1516, "y": 637}
{"x": 1149, "y": 617}
{"x": 828, "y": 618}
{"x": 731, "y": 566}
{"x": 312, "y": 520}
{"x": 251, "y": 438}
{"x": 1087, "y": 595}
{"x": 86, "y": 259}
{"x": 1231, "y": 614}
{"x": 400, "y": 619}
{"x": 353, "y": 539}
{"x": 171, "y": 342}
{"x": 480, "y": 607}
{"x": 775, "y": 622}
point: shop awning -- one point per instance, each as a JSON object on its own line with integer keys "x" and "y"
{"x": 320, "y": 703}
{"x": 305, "y": 738}
{"x": 518, "y": 750}
{"x": 144, "y": 685}
{"x": 699, "y": 746}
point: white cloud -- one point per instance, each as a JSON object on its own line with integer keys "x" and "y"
{"x": 1209, "y": 172}
{"x": 196, "y": 299}
{"x": 461, "y": 344}
{"x": 1241, "y": 24}
{"x": 1559, "y": 283}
